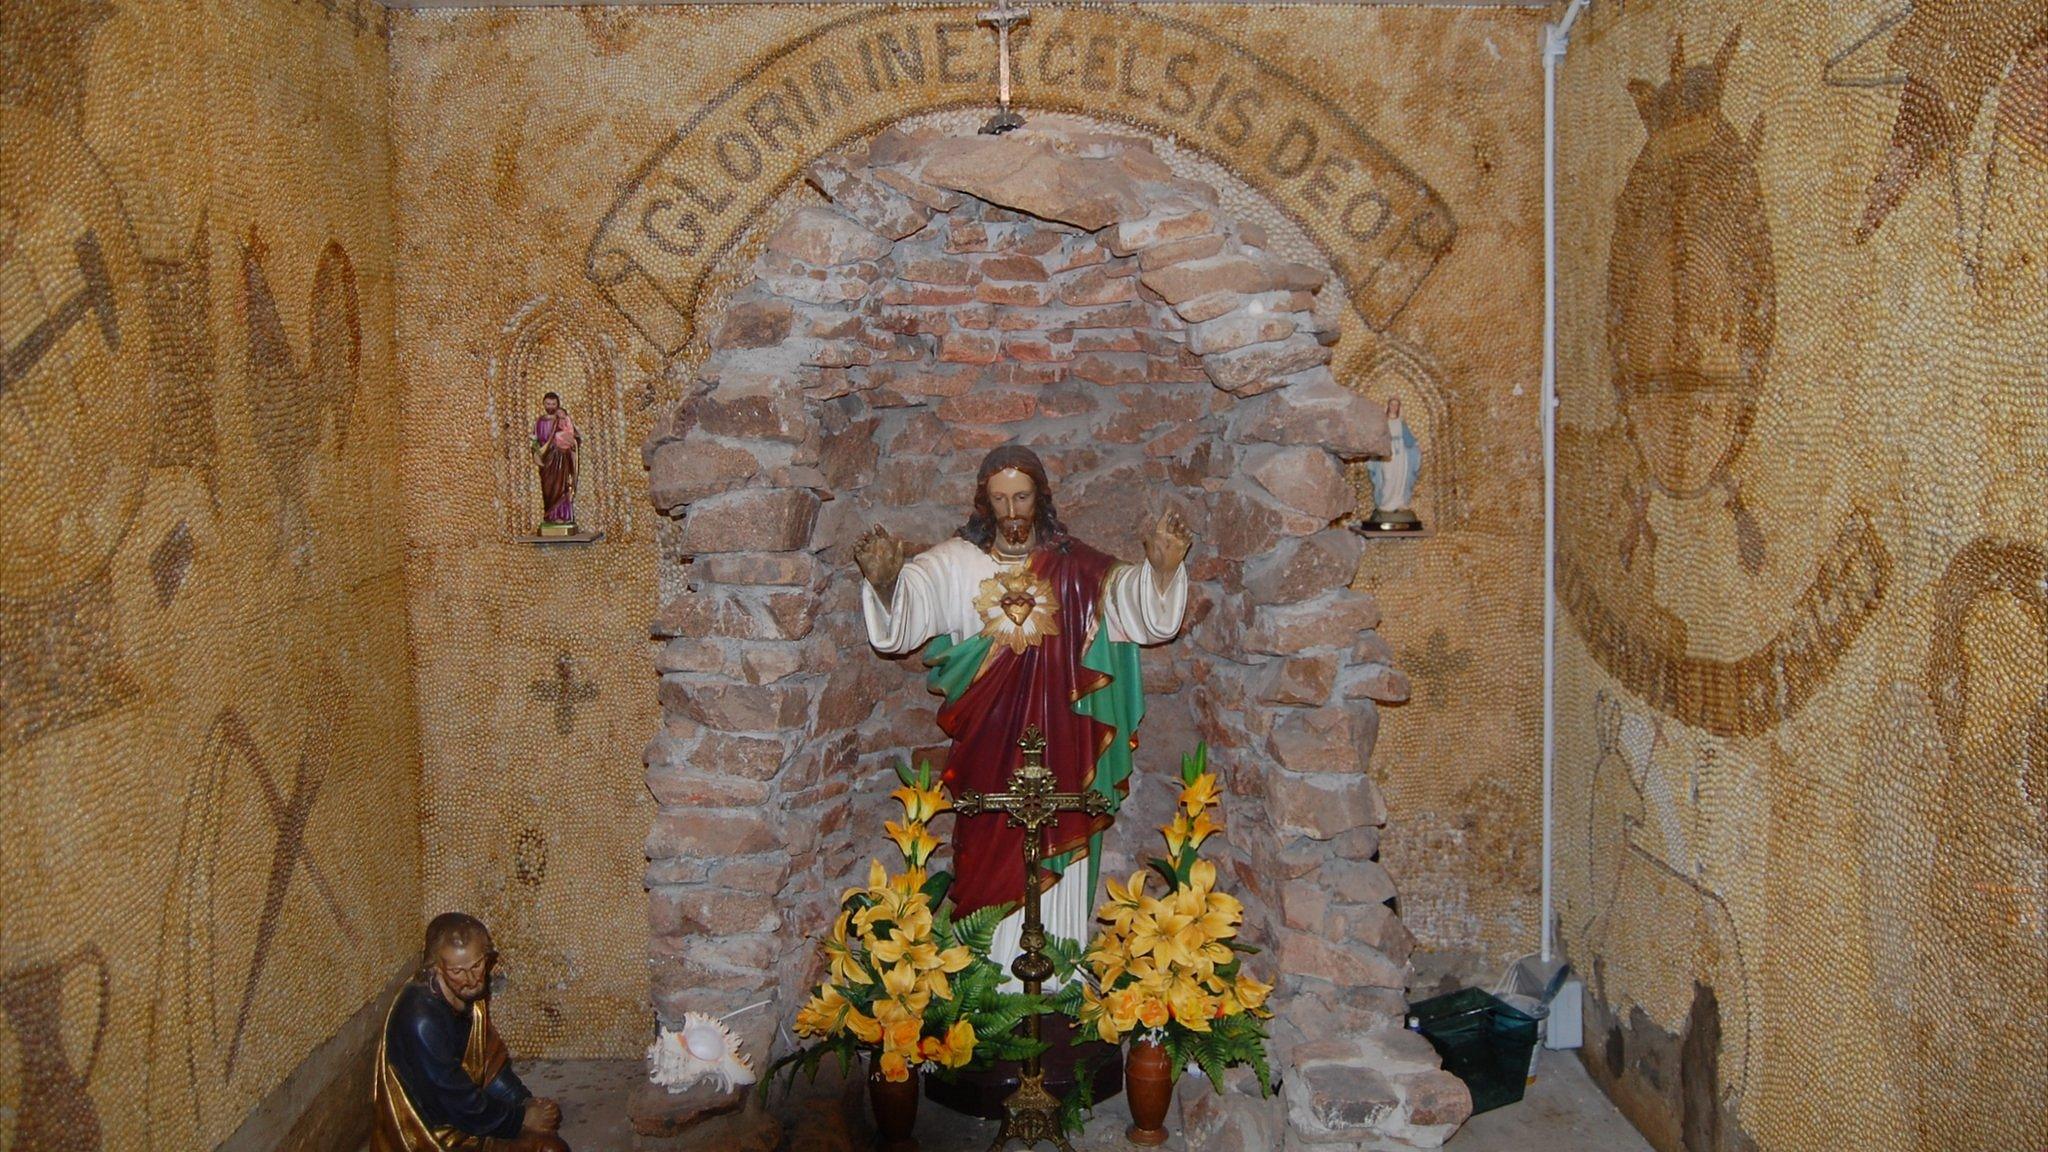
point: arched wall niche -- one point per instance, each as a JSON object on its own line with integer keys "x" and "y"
{"x": 1058, "y": 287}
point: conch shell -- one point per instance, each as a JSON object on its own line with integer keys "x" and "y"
{"x": 701, "y": 1049}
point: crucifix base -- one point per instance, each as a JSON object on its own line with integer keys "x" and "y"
{"x": 981, "y": 1093}
{"x": 1001, "y": 122}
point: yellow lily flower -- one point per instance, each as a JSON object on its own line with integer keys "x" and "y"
{"x": 863, "y": 1026}
{"x": 916, "y": 844}
{"x": 824, "y": 1014}
{"x": 899, "y": 981}
{"x": 955, "y": 958}
{"x": 960, "y": 1041}
{"x": 1250, "y": 992}
{"x": 1203, "y": 828}
{"x": 1152, "y": 1012}
{"x": 1192, "y": 1007}
{"x": 1200, "y": 794}
{"x": 894, "y": 1067}
{"x": 921, "y": 804}
{"x": 1202, "y": 877}
{"x": 1176, "y": 835}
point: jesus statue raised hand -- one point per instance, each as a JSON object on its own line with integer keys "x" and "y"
{"x": 1022, "y": 624}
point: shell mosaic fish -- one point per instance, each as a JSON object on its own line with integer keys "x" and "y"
{"x": 702, "y": 1049}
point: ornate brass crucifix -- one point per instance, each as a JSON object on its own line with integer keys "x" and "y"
{"x": 1032, "y": 1113}
{"x": 1004, "y": 17}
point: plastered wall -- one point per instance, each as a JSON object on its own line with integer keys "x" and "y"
{"x": 209, "y": 836}
{"x": 1802, "y": 857}
{"x": 576, "y": 192}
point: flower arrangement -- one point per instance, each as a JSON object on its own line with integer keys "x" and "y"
{"x": 904, "y": 980}
{"x": 1168, "y": 969}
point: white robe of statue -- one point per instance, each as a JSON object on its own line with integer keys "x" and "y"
{"x": 935, "y": 595}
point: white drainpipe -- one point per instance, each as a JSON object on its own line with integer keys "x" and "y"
{"x": 1556, "y": 39}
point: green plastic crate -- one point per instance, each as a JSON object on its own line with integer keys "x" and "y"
{"x": 1483, "y": 1041}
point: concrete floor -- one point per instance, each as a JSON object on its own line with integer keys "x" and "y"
{"x": 1563, "y": 1112}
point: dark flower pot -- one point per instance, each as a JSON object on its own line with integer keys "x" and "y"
{"x": 895, "y": 1107}
{"x": 1148, "y": 1085}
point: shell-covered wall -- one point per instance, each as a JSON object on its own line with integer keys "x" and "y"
{"x": 578, "y": 191}
{"x": 1803, "y": 836}
{"x": 209, "y": 831}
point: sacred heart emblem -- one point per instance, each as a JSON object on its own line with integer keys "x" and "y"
{"x": 1018, "y": 605}
{"x": 1017, "y": 608}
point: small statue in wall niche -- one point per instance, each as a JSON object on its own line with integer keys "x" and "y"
{"x": 1393, "y": 479}
{"x": 555, "y": 441}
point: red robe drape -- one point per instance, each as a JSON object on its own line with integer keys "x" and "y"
{"x": 1014, "y": 691}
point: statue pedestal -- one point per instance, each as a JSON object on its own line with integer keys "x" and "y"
{"x": 982, "y": 1093}
{"x": 573, "y": 536}
{"x": 1385, "y": 520}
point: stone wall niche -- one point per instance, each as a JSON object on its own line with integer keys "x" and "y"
{"x": 1064, "y": 289}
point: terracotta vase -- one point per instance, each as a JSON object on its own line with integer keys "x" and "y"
{"x": 895, "y": 1107}
{"x": 1148, "y": 1085}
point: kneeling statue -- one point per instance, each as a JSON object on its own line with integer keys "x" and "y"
{"x": 443, "y": 1081}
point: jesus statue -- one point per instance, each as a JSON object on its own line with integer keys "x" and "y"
{"x": 1023, "y": 625}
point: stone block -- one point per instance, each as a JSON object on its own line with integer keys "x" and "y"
{"x": 695, "y": 467}
{"x": 780, "y": 569}
{"x": 1305, "y": 568}
{"x": 1076, "y": 252}
{"x": 1030, "y": 176}
{"x": 1233, "y": 330}
{"x": 1387, "y": 685}
{"x": 1342, "y": 963}
{"x": 934, "y": 270}
{"x": 1375, "y": 925}
{"x": 881, "y": 208}
{"x": 1259, "y": 368}
{"x": 968, "y": 236}
{"x": 969, "y": 347}
{"x": 1178, "y": 283}
{"x": 675, "y": 787}
{"x": 1169, "y": 224}
{"x": 1331, "y": 619}
{"x": 735, "y": 707}
{"x": 1322, "y": 805}
{"x": 904, "y": 294}
{"x": 1303, "y": 478}
{"x": 751, "y": 520}
{"x": 1316, "y": 740}
{"x": 1314, "y": 409}
{"x": 763, "y": 875}
{"x": 695, "y": 909}
{"x": 1243, "y": 526}
{"x": 754, "y": 323}
{"x": 753, "y": 757}
{"x": 1232, "y": 1120}
{"x": 1182, "y": 250}
{"x": 1098, "y": 286}
{"x": 989, "y": 406}
{"x": 822, "y": 237}
{"x": 768, "y": 407}
{"x": 1013, "y": 266}
{"x": 1014, "y": 294}
{"x": 1034, "y": 347}
{"x": 1110, "y": 369}
{"x": 1210, "y": 305}
{"x": 710, "y": 832}
{"x": 1328, "y": 1102}
{"x": 1355, "y": 881}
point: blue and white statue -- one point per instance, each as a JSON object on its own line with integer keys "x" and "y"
{"x": 1393, "y": 479}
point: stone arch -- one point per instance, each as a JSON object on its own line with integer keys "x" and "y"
{"x": 1375, "y": 218}
{"x": 1065, "y": 290}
